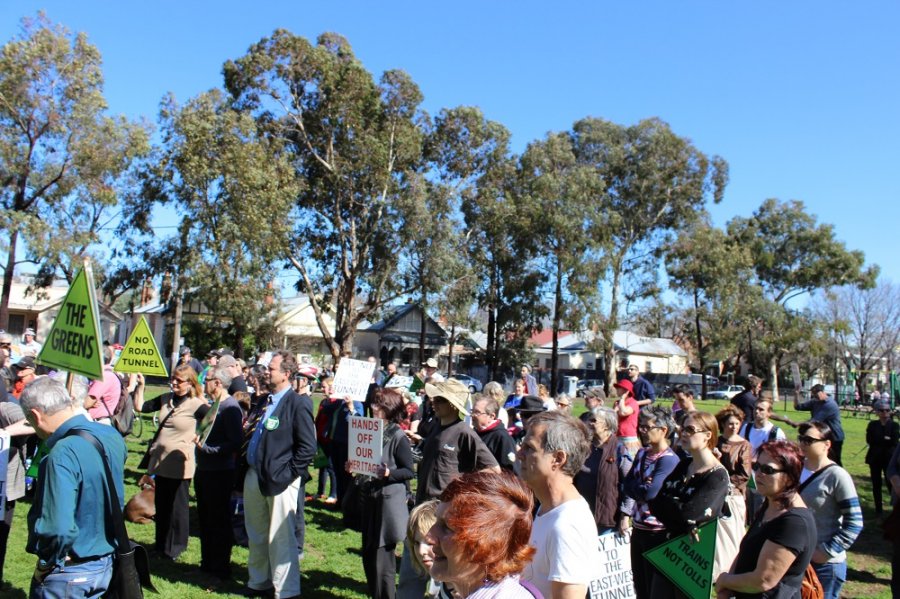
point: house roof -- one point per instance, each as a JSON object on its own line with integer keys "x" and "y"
{"x": 392, "y": 315}
{"x": 622, "y": 341}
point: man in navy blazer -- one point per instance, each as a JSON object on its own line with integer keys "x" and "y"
{"x": 281, "y": 448}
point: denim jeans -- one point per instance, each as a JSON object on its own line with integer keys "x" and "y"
{"x": 832, "y": 575}
{"x": 86, "y": 579}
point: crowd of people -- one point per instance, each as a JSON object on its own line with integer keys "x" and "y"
{"x": 487, "y": 495}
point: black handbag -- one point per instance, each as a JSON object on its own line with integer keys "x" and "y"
{"x": 131, "y": 564}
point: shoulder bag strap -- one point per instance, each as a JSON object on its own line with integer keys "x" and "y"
{"x": 123, "y": 545}
{"x": 159, "y": 430}
{"x": 812, "y": 477}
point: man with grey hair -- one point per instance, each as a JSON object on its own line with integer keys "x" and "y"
{"x": 235, "y": 372}
{"x": 214, "y": 476}
{"x": 68, "y": 521}
{"x": 564, "y": 533}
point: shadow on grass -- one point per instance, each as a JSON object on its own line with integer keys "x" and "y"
{"x": 866, "y": 577}
{"x": 325, "y": 518}
{"x": 8, "y": 592}
{"x": 319, "y": 583}
{"x": 190, "y": 574}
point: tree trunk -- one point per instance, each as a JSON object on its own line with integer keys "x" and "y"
{"x": 773, "y": 375}
{"x": 8, "y": 275}
{"x": 450, "y": 351}
{"x": 176, "y": 330}
{"x": 422, "y": 327}
{"x": 489, "y": 358}
{"x": 557, "y": 308}
{"x": 611, "y": 325}
{"x": 700, "y": 351}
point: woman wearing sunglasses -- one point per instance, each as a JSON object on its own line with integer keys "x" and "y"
{"x": 829, "y": 492}
{"x": 171, "y": 455}
{"x": 694, "y": 493}
{"x": 652, "y": 465}
{"x": 778, "y": 546}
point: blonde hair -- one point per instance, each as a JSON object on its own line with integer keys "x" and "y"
{"x": 421, "y": 519}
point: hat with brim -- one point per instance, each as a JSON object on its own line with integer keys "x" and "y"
{"x": 430, "y": 363}
{"x": 531, "y": 404}
{"x": 451, "y": 390}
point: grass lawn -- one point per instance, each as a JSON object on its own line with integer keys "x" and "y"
{"x": 332, "y": 566}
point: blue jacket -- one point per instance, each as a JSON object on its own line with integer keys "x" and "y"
{"x": 70, "y": 515}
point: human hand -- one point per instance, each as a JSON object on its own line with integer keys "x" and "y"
{"x": 716, "y": 452}
{"x": 147, "y": 481}
{"x": 624, "y": 525}
{"x": 819, "y": 556}
{"x": 382, "y": 471}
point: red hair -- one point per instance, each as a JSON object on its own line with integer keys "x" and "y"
{"x": 789, "y": 458}
{"x": 491, "y": 516}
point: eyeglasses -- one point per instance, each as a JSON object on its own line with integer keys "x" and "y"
{"x": 646, "y": 429}
{"x": 563, "y": 404}
{"x": 593, "y": 420}
{"x": 478, "y": 413}
{"x": 765, "y": 469}
{"x": 687, "y": 431}
{"x": 806, "y": 439}
{"x": 178, "y": 381}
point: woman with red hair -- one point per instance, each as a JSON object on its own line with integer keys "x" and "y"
{"x": 779, "y": 545}
{"x": 480, "y": 538}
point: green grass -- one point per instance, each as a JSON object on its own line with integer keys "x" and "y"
{"x": 332, "y": 566}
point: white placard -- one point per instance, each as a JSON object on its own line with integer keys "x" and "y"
{"x": 4, "y": 461}
{"x": 399, "y": 381}
{"x": 615, "y": 578}
{"x": 365, "y": 444}
{"x": 353, "y": 378}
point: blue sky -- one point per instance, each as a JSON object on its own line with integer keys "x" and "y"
{"x": 801, "y": 98}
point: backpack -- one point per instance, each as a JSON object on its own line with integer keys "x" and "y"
{"x": 122, "y": 418}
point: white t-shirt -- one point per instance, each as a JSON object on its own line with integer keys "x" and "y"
{"x": 567, "y": 549}
{"x": 758, "y": 436}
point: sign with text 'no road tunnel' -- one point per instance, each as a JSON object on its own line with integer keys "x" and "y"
{"x": 74, "y": 340}
{"x": 141, "y": 354}
{"x": 688, "y": 563}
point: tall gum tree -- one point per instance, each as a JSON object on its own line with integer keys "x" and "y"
{"x": 354, "y": 142}
{"x": 793, "y": 255}
{"x": 62, "y": 158}
{"x": 655, "y": 183}
{"x": 564, "y": 199}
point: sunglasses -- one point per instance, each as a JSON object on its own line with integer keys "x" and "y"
{"x": 765, "y": 469}
{"x": 809, "y": 440}
{"x": 646, "y": 429}
{"x": 692, "y": 430}
{"x": 178, "y": 381}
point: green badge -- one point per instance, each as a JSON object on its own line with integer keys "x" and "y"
{"x": 271, "y": 423}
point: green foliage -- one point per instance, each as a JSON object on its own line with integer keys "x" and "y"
{"x": 64, "y": 163}
{"x": 357, "y": 144}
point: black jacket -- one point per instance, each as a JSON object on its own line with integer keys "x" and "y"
{"x": 286, "y": 451}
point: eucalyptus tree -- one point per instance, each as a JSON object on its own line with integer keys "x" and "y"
{"x": 654, "y": 184}
{"x": 64, "y": 162}
{"x": 356, "y": 143}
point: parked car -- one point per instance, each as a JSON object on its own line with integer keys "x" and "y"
{"x": 472, "y": 383}
{"x": 714, "y": 395}
{"x": 730, "y": 390}
{"x": 587, "y": 385}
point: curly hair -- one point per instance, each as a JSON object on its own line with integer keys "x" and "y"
{"x": 729, "y": 411}
{"x": 789, "y": 458}
{"x": 491, "y": 516}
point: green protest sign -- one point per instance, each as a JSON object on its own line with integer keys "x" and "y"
{"x": 74, "y": 340}
{"x": 141, "y": 354}
{"x": 688, "y": 563}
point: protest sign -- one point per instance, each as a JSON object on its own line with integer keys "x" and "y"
{"x": 615, "y": 577}
{"x": 688, "y": 563}
{"x": 141, "y": 354}
{"x": 4, "y": 460}
{"x": 399, "y": 382}
{"x": 365, "y": 444}
{"x": 206, "y": 424}
{"x": 353, "y": 378}
{"x": 74, "y": 340}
